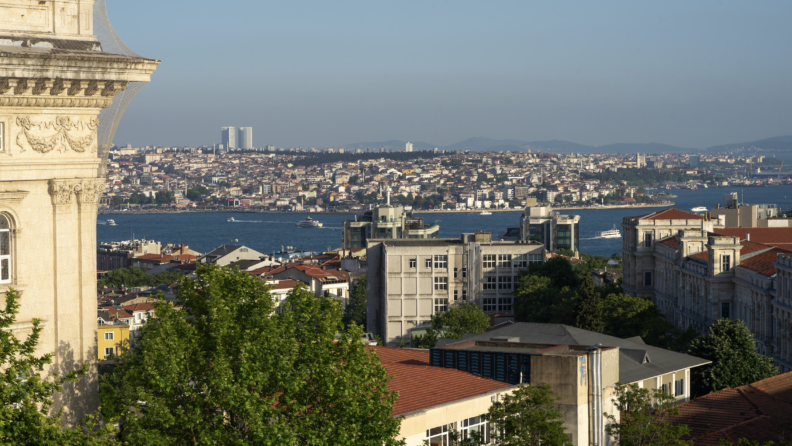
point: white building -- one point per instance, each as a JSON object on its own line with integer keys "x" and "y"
{"x": 409, "y": 280}
{"x": 228, "y": 136}
{"x": 245, "y": 140}
{"x": 408, "y": 147}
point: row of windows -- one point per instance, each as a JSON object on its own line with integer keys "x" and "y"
{"x": 501, "y": 304}
{"x": 500, "y": 282}
{"x": 507, "y": 260}
{"x": 679, "y": 388}
{"x": 476, "y": 428}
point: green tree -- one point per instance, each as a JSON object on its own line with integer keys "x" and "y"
{"x": 735, "y": 362}
{"x": 537, "y": 299}
{"x": 26, "y": 395}
{"x": 628, "y": 316}
{"x": 135, "y": 277}
{"x": 226, "y": 370}
{"x": 454, "y": 323}
{"x": 355, "y": 311}
{"x": 645, "y": 418}
{"x": 528, "y": 417}
{"x": 588, "y": 313}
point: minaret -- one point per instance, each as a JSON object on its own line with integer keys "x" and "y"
{"x": 65, "y": 81}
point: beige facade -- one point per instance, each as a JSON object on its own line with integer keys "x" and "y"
{"x": 411, "y": 280}
{"x": 54, "y": 81}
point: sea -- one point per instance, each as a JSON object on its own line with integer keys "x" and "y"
{"x": 270, "y": 232}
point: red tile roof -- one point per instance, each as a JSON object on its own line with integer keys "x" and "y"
{"x": 669, "y": 214}
{"x": 422, "y": 386}
{"x": 763, "y": 263}
{"x": 671, "y": 242}
{"x": 139, "y": 307}
{"x": 779, "y": 237}
{"x": 761, "y": 412}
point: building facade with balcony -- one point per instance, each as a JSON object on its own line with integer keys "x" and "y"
{"x": 385, "y": 222}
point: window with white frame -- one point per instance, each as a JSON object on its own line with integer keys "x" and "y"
{"x": 666, "y": 388}
{"x": 490, "y": 283}
{"x": 521, "y": 261}
{"x": 438, "y": 436}
{"x": 504, "y": 260}
{"x": 489, "y": 260}
{"x": 428, "y": 263}
{"x": 475, "y": 428}
{"x": 440, "y": 283}
{"x": 505, "y": 304}
{"x": 109, "y": 351}
{"x": 109, "y": 336}
{"x": 440, "y": 306}
{"x": 5, "y": 250}
{"x": 505, "y": 282}
{"x": 441, "y": 261}
{"x": 413, "y": 263}
{"x": 490, "y": 304}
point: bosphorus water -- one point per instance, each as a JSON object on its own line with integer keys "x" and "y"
{"x": 267, "y": 232}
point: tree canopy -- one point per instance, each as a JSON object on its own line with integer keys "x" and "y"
{"x": 453, "y": 324}
{"x": 645, "y": 418}
{"x": 226, "y": 370}
{"x": 528, "y": 417}
{"x": 735, "y": 362}
{"x": 355, "y": 311}
{"x": 135, "y": 277}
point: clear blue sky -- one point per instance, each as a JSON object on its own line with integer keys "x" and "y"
{"x": 326, "y": 73}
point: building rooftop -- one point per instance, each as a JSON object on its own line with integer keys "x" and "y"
{"x": 668, "y": 214}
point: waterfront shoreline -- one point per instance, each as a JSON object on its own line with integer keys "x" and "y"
{"x": 429, "y": 211}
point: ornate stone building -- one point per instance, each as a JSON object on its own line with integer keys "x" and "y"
{"x": 696, "y": 272}
{"x": 61, "y": 95}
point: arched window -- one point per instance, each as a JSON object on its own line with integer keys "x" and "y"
{"x": 5, "y": 250}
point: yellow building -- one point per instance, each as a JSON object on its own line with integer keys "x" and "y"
{"x": 111, "y": 339}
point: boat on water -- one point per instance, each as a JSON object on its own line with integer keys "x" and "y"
{"x": 309, "y": 223}
{"x": 700, "y": 209}
{"x": 485, "y": 213}
{"x": 110, "y": 222}
{"x": 611, "y": 233}
{"x": 231, "y": 219}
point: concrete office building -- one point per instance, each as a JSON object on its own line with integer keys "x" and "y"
{"x": 385, "y": 222}
{"x": 739, "y": 215}
{"x": 408, "y": 147}
{"x": 63, "y": 90}
{"x": 228, "y": 137}
{"x": 409, "y": 280}
{"x": 245, "y": 140}
{"x": 553, "y": 230}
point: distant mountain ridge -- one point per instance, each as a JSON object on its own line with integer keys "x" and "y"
{"x": 483, "y": 144}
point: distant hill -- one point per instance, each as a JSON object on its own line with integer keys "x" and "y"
{"x": 481, "y": 144}
{"x": 556, "y": 146}
{"x": 776, "y": 144}
{"x": 651, "y": 147}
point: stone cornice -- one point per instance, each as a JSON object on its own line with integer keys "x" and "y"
{"x": 13, "y": 197}
{"x": 74, "y": 66}
{"x": 58, "y": 92}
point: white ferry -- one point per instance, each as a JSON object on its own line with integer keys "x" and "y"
{"x": 611, "y": 233}
{"x": 485, "y": 213}
{"x": 700, "y": 209}
{"x": 309, "y": 223}
{"x": 110, "y": 222}
{"x": 231, "y": 219}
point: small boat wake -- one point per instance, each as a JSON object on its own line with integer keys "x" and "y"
{"x": 245, "y": 221}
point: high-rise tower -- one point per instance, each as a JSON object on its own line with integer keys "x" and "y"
{"x": 65, "y": 81}
{"x": 408, "y": 147}
{"x": 228, "y": 137}
{"x": 245, "y": 140}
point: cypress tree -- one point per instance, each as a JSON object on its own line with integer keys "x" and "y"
{"x": 588, "y": 314}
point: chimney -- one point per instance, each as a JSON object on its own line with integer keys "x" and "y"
{"x": 748, "y": 236}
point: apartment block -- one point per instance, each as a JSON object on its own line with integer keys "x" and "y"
{"x": 409, "y": 280}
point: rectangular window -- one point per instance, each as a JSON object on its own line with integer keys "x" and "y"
{"x": 464, "y": 295}
{"x": 648, "y": 278}
{"x": 456, "y": 273}
{"x": 505, "y": 304}
{"x": 521, "y": 261}
{"x": 505, "y": 283}
{"x": 5, "y": 250}
{"x": 441, "y": 261}
{"x": 2, "y": 137}
{"x": 504, "y": 260}
{"x": 109, "y": 335}
{"x": 464, "y": 273}
{"x": 428, "y": 263}
{"x": 535, "y": 258}
{"x": 475, "y": 427}
{"x": 648, "y": 240}
{"x": 490, "y": 304}
{"x": 440, "y": 306}
{"x": 456, "y": 295}
{"x": 489, "y": 260}
{"x": 666, "y": 388}
{"x": 726, "y": 310}
{"x": 109, "y": 351}
{"x": 490, "y": 283}
{"x": 679, "y": 387}
{"x": 725, "y": 263}
{"x": 413, "y": 263}
{"x": 440, "y": 283}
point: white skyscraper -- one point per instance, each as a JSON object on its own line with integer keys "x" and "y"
{"x": 245, "y": 140}
{"x": 228, "y": 136}
{"x": 408, "y": 147}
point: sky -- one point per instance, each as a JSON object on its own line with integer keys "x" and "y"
{"x": 310, "y": 73}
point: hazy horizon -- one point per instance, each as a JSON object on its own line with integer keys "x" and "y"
{"x": 319, "y": 74}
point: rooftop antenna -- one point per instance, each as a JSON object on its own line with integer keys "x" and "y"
{"x": 388, "y": 191}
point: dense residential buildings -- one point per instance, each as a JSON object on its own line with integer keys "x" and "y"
{"x": 410, "y": 280}
{"x": 697, "y": 270}
{"x": 62, "y": 97}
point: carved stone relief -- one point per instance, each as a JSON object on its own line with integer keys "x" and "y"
{"x": 62, "y": 134}
{"x": 87, "y": 191}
